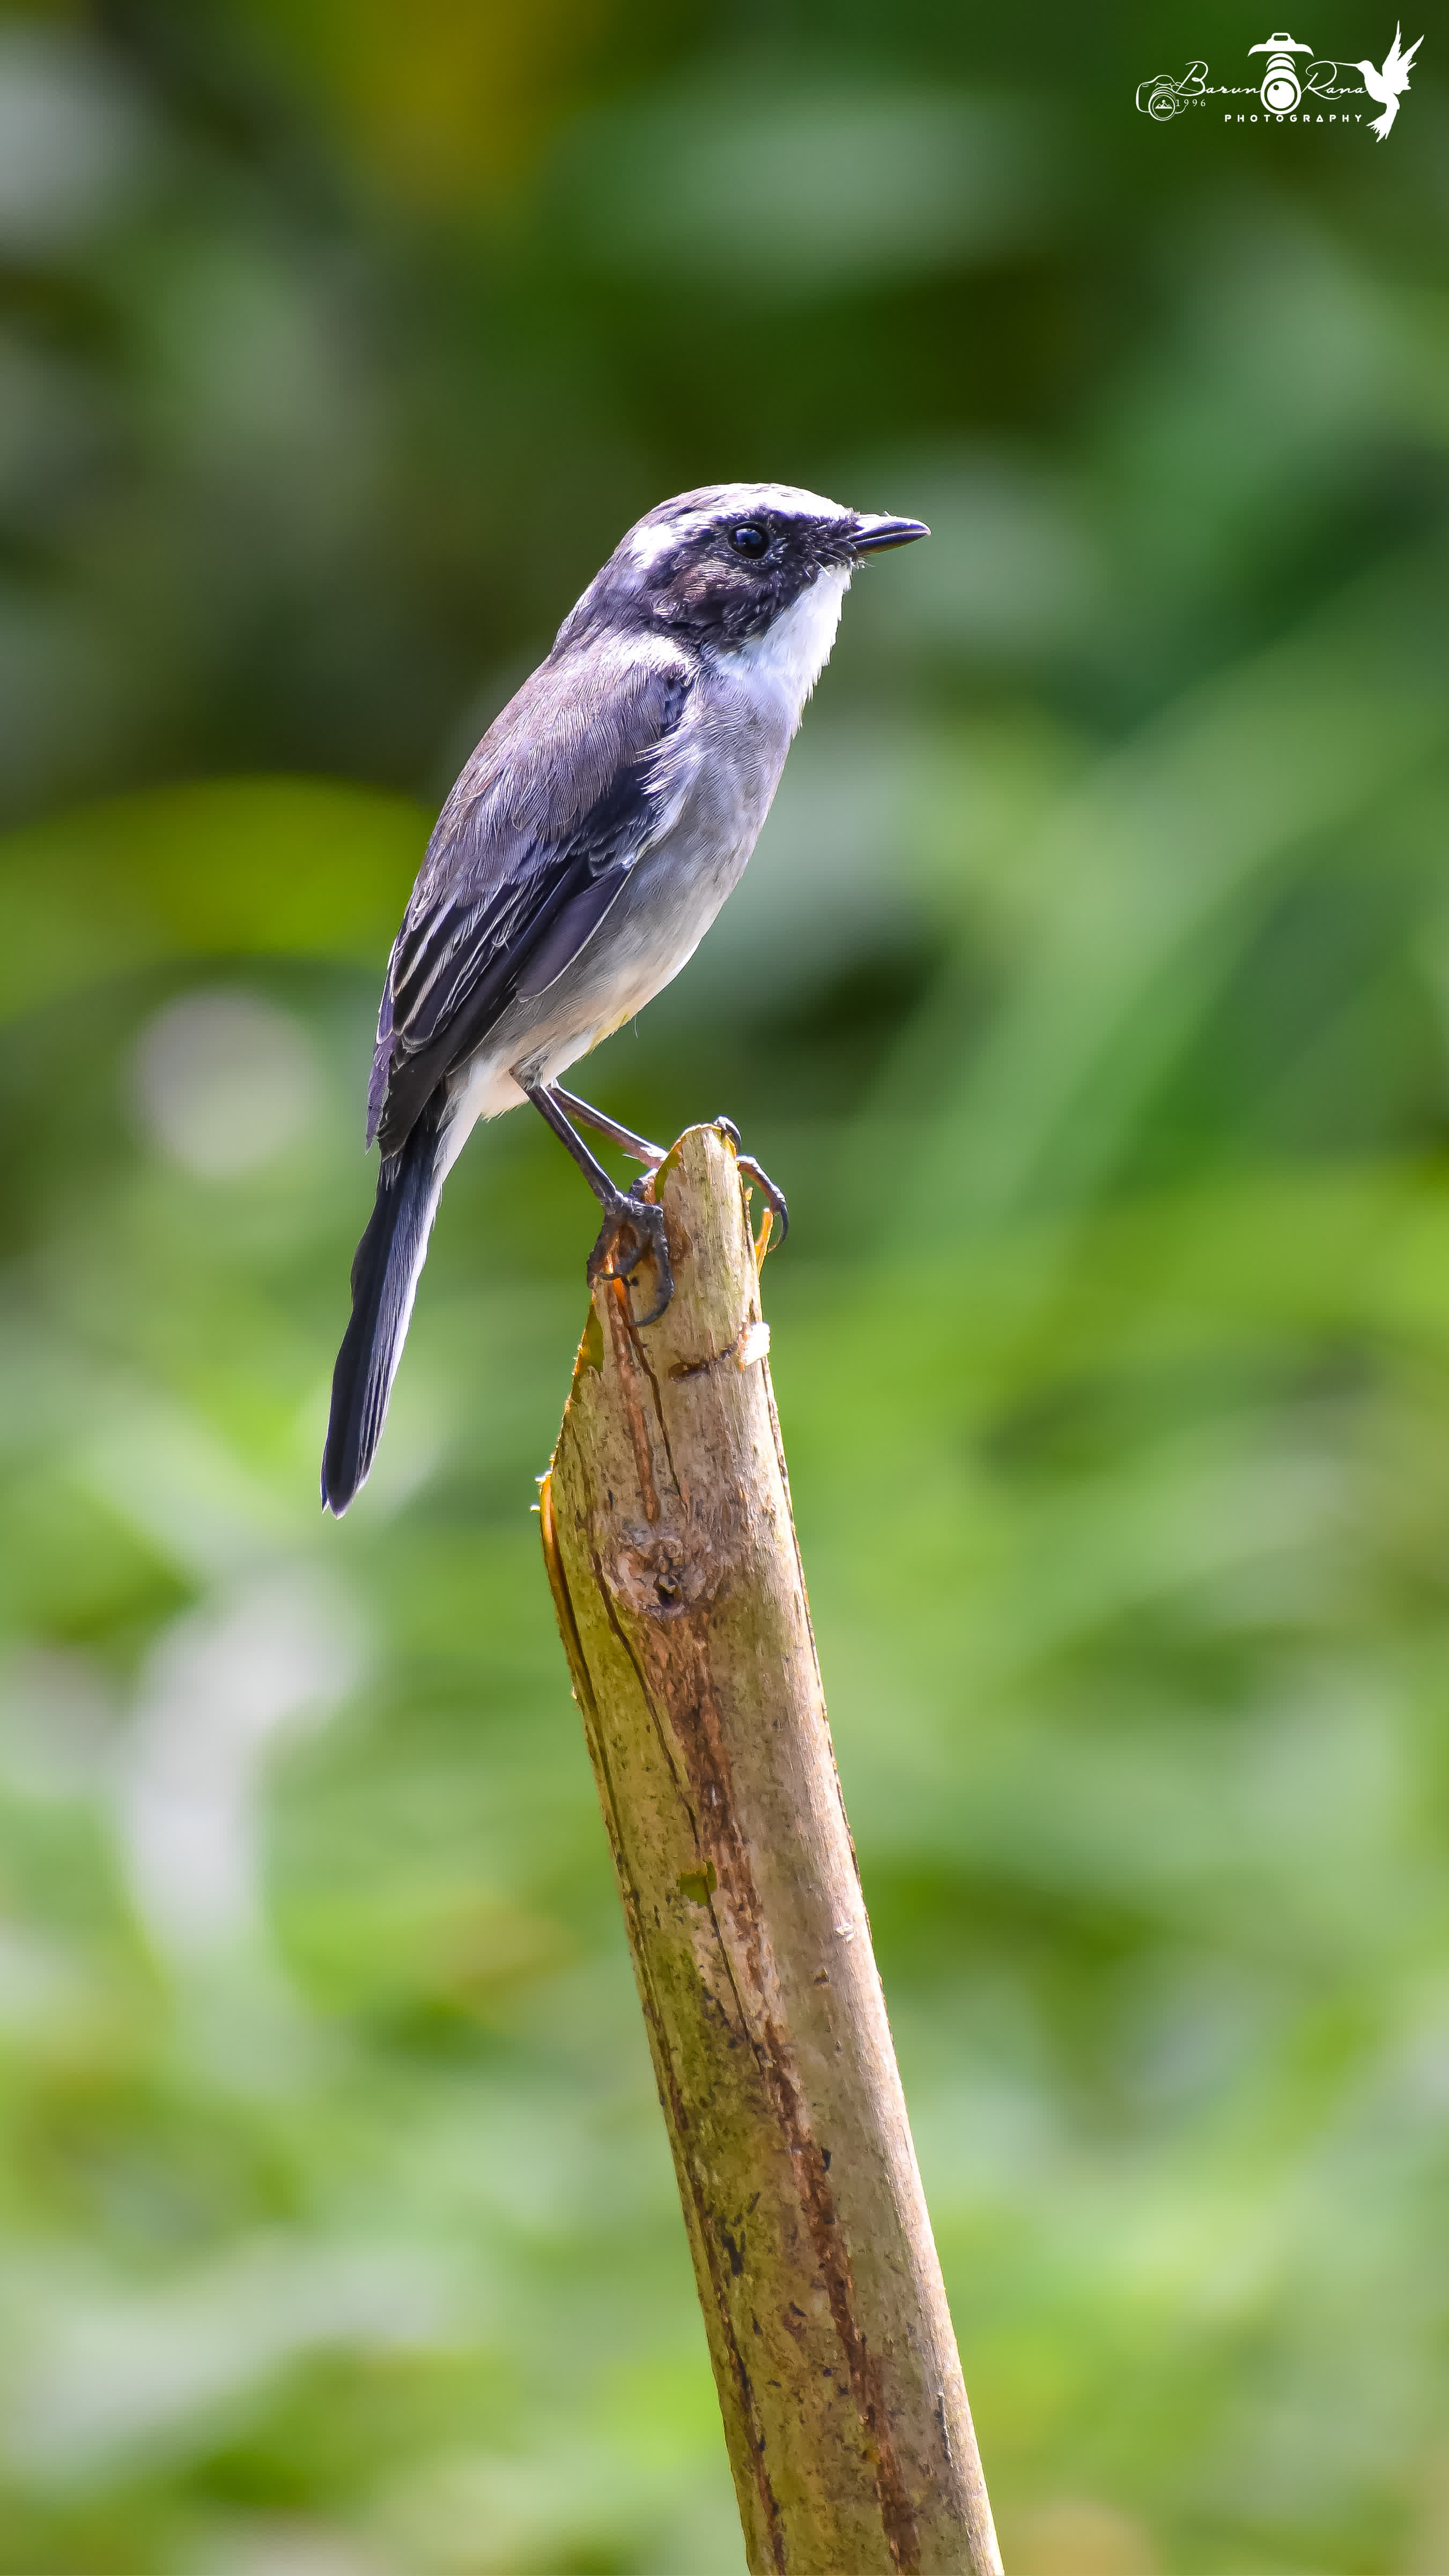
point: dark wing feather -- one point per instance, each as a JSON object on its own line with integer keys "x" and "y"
{"x": 535, "y": 843}
{"x": 566, "y": 933}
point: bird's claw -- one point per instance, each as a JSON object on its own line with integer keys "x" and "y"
{"x": 633, "y": 1232}
{"x": 774, "y": 1198}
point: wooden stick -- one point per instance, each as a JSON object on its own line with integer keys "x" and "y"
{"x": 677, "y": 1580}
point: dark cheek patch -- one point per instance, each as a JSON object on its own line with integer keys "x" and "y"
{"x": 733, "y": 604}
{"x": 705, "y": 591}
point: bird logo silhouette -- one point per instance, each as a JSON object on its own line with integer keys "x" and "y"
{"x": 1389, "y": 85}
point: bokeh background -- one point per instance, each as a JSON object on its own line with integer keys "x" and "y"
{"x": 1089, "y": 994}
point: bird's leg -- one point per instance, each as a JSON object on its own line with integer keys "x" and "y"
{"x": 774, "y": 1198}
{"x": 633, "y": 1227}
{"x": 623, "y": 1137}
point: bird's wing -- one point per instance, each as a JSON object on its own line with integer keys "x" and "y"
{"x": 563, "y": 795}
{"x": 1395, "y": 73}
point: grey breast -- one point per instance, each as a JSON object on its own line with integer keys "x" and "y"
{"x": 729, "y": 763}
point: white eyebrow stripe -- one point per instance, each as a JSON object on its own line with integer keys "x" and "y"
{"x": 654, "y": 538}
{"x": 647, "y": 542}
{"x": 789, "y": 502}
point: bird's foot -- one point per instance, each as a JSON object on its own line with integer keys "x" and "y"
{"x": 632, "y": 1233}
{"x": 774, "y": 1198}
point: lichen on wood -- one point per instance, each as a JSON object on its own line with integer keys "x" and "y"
{"x": 676, "y": 1576}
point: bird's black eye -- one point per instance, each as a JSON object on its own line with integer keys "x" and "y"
{"x": 749, "y": 538}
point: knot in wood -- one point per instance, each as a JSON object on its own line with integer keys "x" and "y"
{"x": 664, "y": 1571}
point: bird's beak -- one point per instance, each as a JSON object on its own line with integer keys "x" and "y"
{"x": 873, "y": 534}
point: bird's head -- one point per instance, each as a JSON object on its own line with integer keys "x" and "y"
{"x": 721, "y": 566}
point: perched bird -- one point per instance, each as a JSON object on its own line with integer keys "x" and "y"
{"x": 578, "y": 862}
{"x": 1388, "y": 86}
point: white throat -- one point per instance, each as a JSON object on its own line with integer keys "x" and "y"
{"x": 787, "y": 660}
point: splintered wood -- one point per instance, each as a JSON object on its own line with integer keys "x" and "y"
{"x": 676, "y": 1576}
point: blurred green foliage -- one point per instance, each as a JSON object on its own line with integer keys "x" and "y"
{"x": 1090, "y": 994}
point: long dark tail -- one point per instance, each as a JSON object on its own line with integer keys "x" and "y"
{"x": 384, "y": 1279}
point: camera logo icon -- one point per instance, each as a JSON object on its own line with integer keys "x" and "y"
{"x": 1281, "y": 89}
{"x": 1164, "y": 97}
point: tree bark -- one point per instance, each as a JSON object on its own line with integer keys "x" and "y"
{"x": 676, "y": 1576}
